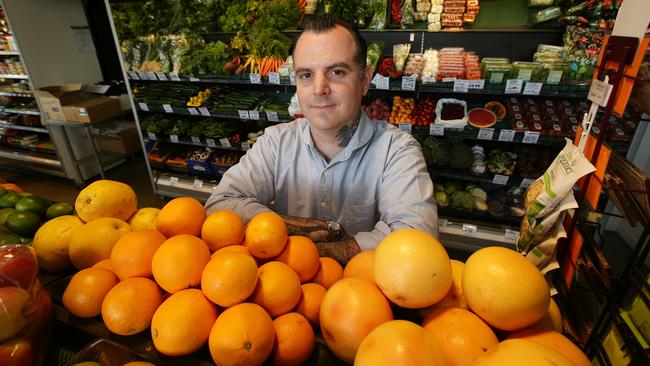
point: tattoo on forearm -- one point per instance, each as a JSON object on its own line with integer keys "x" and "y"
{"x": 345, "y": 133}
{"x": 341, "y": 251}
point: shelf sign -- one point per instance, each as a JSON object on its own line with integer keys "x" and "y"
{"x": 254, "y": 115}
{"x": 530, "y": 137}
{"x": 599, "y": 92}
{"x": 193, "y": 111}
{"x": 500, "y": 179}
{"x": 210, "y": 142}
{"x": 470, "y": 229}
{"x": 243, "y": 114}
{"x": 272, "y": 116}
{"x": 442, "y": 225}
{"x": 192, "y": 78}
{"x": 526, "y": 182}
{"x": 151, "y": 75}
{"x": 461, "y": 86}
{"x": 168, "y": 108}
{"x": 533, "y": 88}
{"x": 255, "y": 78}
{"x": 511, "y": 236}
{"x": 274, "y": 78}
{"x": 406, "y": 127}
{"x": 133, "y": 75}
{"x": 173, "y": 181}
{"x": 408, "y": 82}
{"x": 292, "y": 78}
{"x": 161, "y": 76}
{"x": 513, "y": 86}
{"x": 485, "y": 134}
{"x": 143, "y": 76}
{"x": 476, "y": 84}
{"x": 173, "y": 138}
{"x": 507, "y": 135}
{"x": 225, "y": 142}
{"x": 449, "y": 79}
{"x": 143, "y": 106}
{"x": 204, "y": 112}
{"x": 196, "y": 140}
{"x": 151, "y": 136}
{"x": 174, "y": 76}
{"x": 381, "y": 82}
{"x": 436, "y": 130}
{"x": 198, "y": 184}
{"x": 245, "y": 146}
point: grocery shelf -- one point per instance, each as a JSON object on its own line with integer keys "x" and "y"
{"x": 244, "y": 79}
{"x": 184, "y": 140}
{"x": 177, "y": 185}
{"x": 474, "y": 216}
{"x": 479, "y": 134}
{"x": 183, "y": 111}
{"x": 23, "y": 128}
{"x": 490, "y": 178}
{"x": 108, "y": 159}
{"x": 29, "y": 157}
{"x": 11, "y": 94}
{"x": 9, "y": 53}
{"x": 10, "y": 76}
{"x": 470, "y": 236}
{"x": 21, "y": 111}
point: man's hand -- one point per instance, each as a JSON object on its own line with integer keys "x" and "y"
{"x": 342, "y": 251}
{"x": 315, "y": 229}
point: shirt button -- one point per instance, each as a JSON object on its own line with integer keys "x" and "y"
{"x": 323, "y": 204}
{"x": 325, "y": 174}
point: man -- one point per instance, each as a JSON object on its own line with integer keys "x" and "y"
{"x": 335, "y": 166}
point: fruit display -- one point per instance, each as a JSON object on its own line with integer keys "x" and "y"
{"x": 402, "y": 110}
{"x": 378, "y": 110}
{"x": 481, "y": 118}
{"x": 425, "y": 112}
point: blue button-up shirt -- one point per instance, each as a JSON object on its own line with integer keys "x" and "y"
{"x": 377, "y": 184}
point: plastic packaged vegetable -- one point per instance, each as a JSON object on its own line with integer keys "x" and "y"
{"x": 375, "y": 50}
{"x": 400, "y": 53}
{"x": 527, "y": 71}
{"x": 495, "y": 73}
{"x": 545, "y": 14}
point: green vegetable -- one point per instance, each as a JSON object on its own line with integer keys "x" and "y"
{"x": 437, "y": 150}
{"x": 478, "y": 193}
{"x": 442, "y": 200}
{"x": 207, "y": 60}
{"x": 451, "y": 187}
{"x": 463, "y": 157}
{"x": 462, "y": 200}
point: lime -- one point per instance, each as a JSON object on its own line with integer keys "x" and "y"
{"x": 9, "y": 239}
{"x": 59, "y": 209}
{"x": 4, "y": 213}
{"x": 24, "y": 223}
{"x": 34, "y": 204}
{"x": 9, "y": 199}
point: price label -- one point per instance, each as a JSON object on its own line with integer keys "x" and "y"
{"x": 173, "y": 180}
{"x": 507, "y": 135}
{"x": 204, "y": 112}
{"x": 151, "y": 75}
{"x": 292, "y": 78}
{"x": 211, "y": 142}
{"x": 133, "y": 75}
{"x": 511, "y": 236}
{"x": 449, "y": 80}
{"x": 428, "y": 80}
{"x": 530, "y": 137}
{"x": 496, "y": 78}
{"x": 196, "y": 140}
{"x": 479, "y": 169}
{"x": 526, "y": 182}
{"x": 255, "y": 78}
{"x": 161, "y": 76}
{"x": 245, "y": 146}
{"x": 173, "y": 138}
{"x": 174, "y": 76}
{"x": 442, "y": 225}
{"x": 192, "y": 78}
{"x": 485, "y": 134}
{"x": 554, "y": 77}
{"x": 470, "y": 229}
{"x": 225, "y": 142}
{"x": 513, "y": 86}
{"x": 151, "y": 136}
{"x": 436, "y": 130}
{"x": 461, "y": 86}
{"x": 476, "y": 84}
{"x": 168, "y": 108}
{"x": 408, "y": 82}
{"x": 274, "y": 78}
{"x": 381, "y": 82}
{"x": 406, "y": 127}
{"x": 599, "y": 92}
{"x": 193, "y": 111}
{"x": 143, "y": 76}
{"x": 272, "y": 116}
{"x": 533, "y": 88}
{"x": 143, "y": 106}
{"x": 500, "y": 179}
{"x": 525, "y": 74}
{"x": 243, "y": 114}
{"x": 198, "y": 184}
{"x": 254, "y": 115}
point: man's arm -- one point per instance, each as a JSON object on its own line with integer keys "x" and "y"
{"x": 342, "y": 251}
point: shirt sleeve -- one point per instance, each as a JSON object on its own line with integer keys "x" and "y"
{"x": 406, "y": 199}
{"x": 248, "y": 186}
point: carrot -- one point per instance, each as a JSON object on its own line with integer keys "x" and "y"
{"x": 249, "y": 60}
{"x": 263, "y": 65}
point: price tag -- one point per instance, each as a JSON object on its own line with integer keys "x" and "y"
{"x": 513, "y": 86}
{"x": 476, "y": 84}
{"x": 496, "y": 78}
{"x": 211, "y": 142}
{"x": 196, "y": 140}
{"x": 173, "y": 180}
{"x": 525, "y": 74}
{"x": 193, "y": 111}
{"x": 151, "y": 75}
{"x": 204, "y": 112}
{"x": 461, "y": 86}
{"x": 274, "y": 78}
{"x": 174, "y": 76}
{"x": 133, "y": 75}
{"x": 530, "y": 137}
{"x": 151, "y": 136}
{"x": 245, "y": 146}
{"x": 526, "y": 182}
{"x": 194, "y": 79}
{"x": 173, "y": 138}
{"x": 168, "y": 108}
{"x": 449, "y": 80}
{"x": 500, "y": 179}
{"x": 479, "y": 169}
{"x": 161, "y": 76}
{"x": 470, "y": 229}
{"x": 408, "y": 82}
{"x": 143, "y": 106}
{"x": 436, "y": 130}
{"x": 406, "y": 127}
{"x": 485, "y": 134}
{"x": 292, "y": 78}
{"x": 272, "y": 116}
{"x": 554, "y": 77}
{"x": 255, "y": 78}
{"x": 198, "y": 184}
{"x": 511, "y": 236}
{"x": 381, "y": 82}
{"x": 243, "y": 114}
{"x": 442, "y": 225}
{"x": 507, "y": 135}
{"x": 225, "y": 142}
{"x": 143, "y": 76}
{"x": 599, "y": 92}
{"x": 428, "y": 80}
{"x": 254, "y": 115}
{"x": 533, "y": 88}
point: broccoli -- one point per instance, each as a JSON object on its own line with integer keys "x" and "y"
{"x": 442, "y": 200}
{"x": 463, "y": 157}
{"x": 462, "y": 200}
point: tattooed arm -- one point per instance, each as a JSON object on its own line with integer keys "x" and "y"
{"x": 342, "y": 251}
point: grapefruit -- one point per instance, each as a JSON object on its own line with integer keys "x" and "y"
{"x": 106, "y": 198}
{"x": 94, "y": 241}
{"x": 522, "y": 352}
{"x": 554, "y": 340}
{"x": 52, "y": 241}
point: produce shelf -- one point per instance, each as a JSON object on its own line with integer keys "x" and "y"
{"x": 9, "y": 76}
{"x": 10, "y": 94}
{"x": 22, "y": 111}
{"x": 490, "y": 178}
{"x": 212, "y": 113}
{"x": 29, "y": 157}
{"x": 479, "y": 134}
{"x": 23, "y": 128}
{"x": 9, "y": 53}
{"x": 244, "y": 79}
{"x": 475, "y": 216}
{"x": 179, "y": 185}
{"x": 184, "y": 140}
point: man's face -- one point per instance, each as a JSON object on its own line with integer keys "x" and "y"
{"x": 329, "y": 83}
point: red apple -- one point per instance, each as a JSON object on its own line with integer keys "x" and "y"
{"x": 18, "y": 266}
{"x": 17, "y": 352}
{"x": 15, "y": 311}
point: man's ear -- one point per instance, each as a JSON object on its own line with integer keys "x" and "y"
{"x": 367, "y": 77}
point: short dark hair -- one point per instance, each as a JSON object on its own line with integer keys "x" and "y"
{"x": 325, "y": 23}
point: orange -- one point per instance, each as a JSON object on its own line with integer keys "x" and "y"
{"x": 87, "y": 288}
{"x": 522, "y": 352}
{"x": 129, "y": 306}
{"x": 232, "y": 248}
{"x": 266, "y": 235}
{"x": 554, "y": 340}
{"x": 183, "y": 215}
{"x": 229, "y": 278}
{"x": 328, "y": 273}
{"x": 278, "y": 288}
{"x": 464, "y": 337}
{"x": 139, "y": 363}
{"x": 179, "y": 261}
{"x": 301, "y": 254}
{"x": 12, "y": 187}
{"x": 182, "y": 323}
{"x": 132, "y": 253}
{"x": 310, "y": 300}
{"x": 242, "y": 335}
{"x": 222, "y": 228}
{"x": 360, "y": 266}
{"x": 105, "y": 263}
{"x": 350, "y": 310}
{"x": 294, "y": 340}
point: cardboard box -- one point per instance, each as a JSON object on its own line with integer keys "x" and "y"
{"x": 124, "y": 139}
{"x": 77, "y": 103}
{"x": 52, "y": 98}
{"x": 95, "y": 109}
